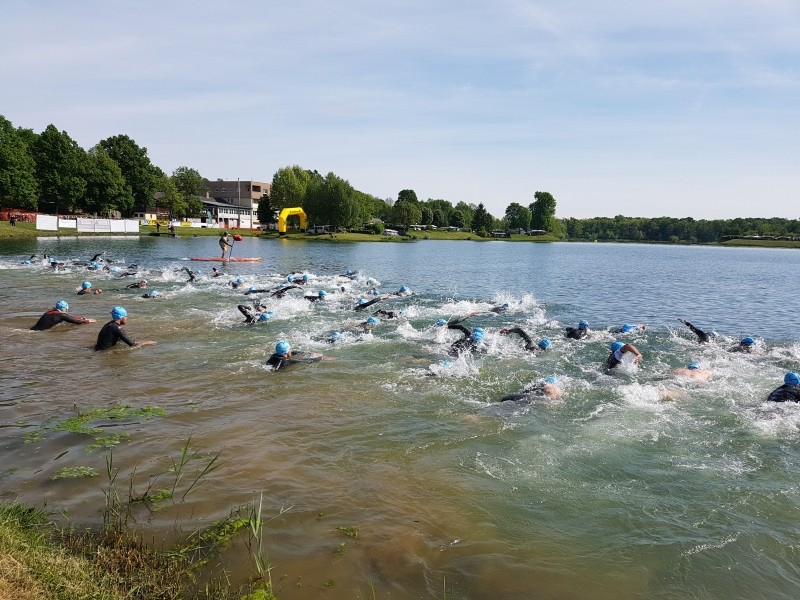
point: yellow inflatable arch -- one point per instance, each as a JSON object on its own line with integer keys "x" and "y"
{"x": 288, "y": 212}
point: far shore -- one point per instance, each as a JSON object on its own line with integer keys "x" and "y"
{"x": 25, "y": 230}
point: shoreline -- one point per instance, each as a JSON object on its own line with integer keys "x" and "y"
{"x": 27, "y": 231}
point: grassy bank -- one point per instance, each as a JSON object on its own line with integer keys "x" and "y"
{"x": 42, "y": 561}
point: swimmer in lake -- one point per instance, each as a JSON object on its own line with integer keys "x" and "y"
{"x": 530, "y": 345}
{"x": 112, "y": 332}
{"x": 472, "y": 337}
{"x": 579, "y": 332}
{"x": 86, "y": 288}
{"x": 694, "y": 372}
{"x": 618, "y": 351}
{"x": 703, "y": 337}
{"x": 632, "y": 328}
{"x": 283, "y": 356}
{"x": 58, "y": 314}
{"x": 789, "y": 391}
{"x": 548, "y": 387}
{"x": 746, "y": 346}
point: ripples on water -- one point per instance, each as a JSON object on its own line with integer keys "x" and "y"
{"x": 608, "y": 493}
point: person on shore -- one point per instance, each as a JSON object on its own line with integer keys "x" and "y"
{"x": 694, "y": 372}
{"x": 112, "y": 332}
{"x": 789, "y": 391}
{"x": 702, "y": 336}
{"x": 618, "y": 351}
{"x": 530, "y": 345}
{"x": 579, "y": 332}
{"x": 549, "y": 387}
{"x": 632, "y": 328}
{"x": 58, "y": 314}
{"x": 224, "y": 243}
{"x": 746, "y": 346}
{"x": 283, "y": 356}
{"x": 86, "y": 288}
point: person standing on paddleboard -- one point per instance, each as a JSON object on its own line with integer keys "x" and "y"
{"x": 224, "y": 244}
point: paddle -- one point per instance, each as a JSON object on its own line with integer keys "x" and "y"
{"x": 230, "y": 252}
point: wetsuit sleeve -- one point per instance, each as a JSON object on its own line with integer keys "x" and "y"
{"x": 702, "y": 335}
{"x": 367, "y": 304}
{"x": 457, "y": 325}
{"x": 521, "y": 333}
{"x": 73, "y": 319}
{"x": 124, "y": 336}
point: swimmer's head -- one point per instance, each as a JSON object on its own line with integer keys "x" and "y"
{"x": 616, "y": 346}
{"x": 403, "y": 289}
{"x": 154, "y": 294}
{"x": 62, "y": 305}
{"x": 747, "y": 341}
{"x": 290, "y": 278}
{"x": 505, "y": 305}
{"x": 143, "y": 283}
{"x": 305, "y": 277}
{"x": 86, "y": 285}
{"x": 712, "y": 334}
{"x": 441, "y": 322}
{"x": 322, "y": 293}
{"x": 361, "y": 301}
{"x": 791, "y": 378}
{"x": 265, "y": 316}
{"x": 282, "y": 348}
{"x": 252, "y": 288}
{"x": 239, "y": 280}
{"x": 693, "y": 366}
{"x": 372, "y": 321}
{"x": 334, "y": 336}
{"x": 627, "y": 327}
{"x": 544, "y": 343}
{"x": 118, "y": 313}
{"x": 375, "y": 293}
{"x": 551, "y": 380}
{"x": 583, "y": 324}
{"x": 476, "y": 337}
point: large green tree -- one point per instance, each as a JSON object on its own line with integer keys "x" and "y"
{"x": 482, "y": 221}
{"x": 170, "y": 198}
{"x": 518, "y": 216}
{"x": 405, "y": 212}
{"x": 331, "y": 201}
{"x": 192, "y": 186}
{"x": 139, "y": 172}
{"x": 289, "y": 185}
{"x": 60, "y": 168}
{"x": 543, "y": 211}
{"x": 467, "y": 211}
{"x": 266, "y": 214}
{"x": 407, "y": 195}
{"x": 18, "y": 186}
{"x": 106, "y": 188}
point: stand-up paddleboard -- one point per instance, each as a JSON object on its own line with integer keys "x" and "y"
{"x": 245, "y": 259}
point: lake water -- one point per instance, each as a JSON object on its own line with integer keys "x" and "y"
{"x": 635, "y": 485}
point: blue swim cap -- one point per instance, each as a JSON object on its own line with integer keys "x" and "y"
{"x": 505, "y": 304}
{"x": 265, "y": 316}
{"x": 252, "y": 288}
{"x": 197, "y": 272}
{"x": 27, "y": 261}
{"x": 551, "y": 379}
{"x": 477, "y": 335}
{"x": 361, "y": 301}
{"x": 155, "y": 293}
{"x": 372, "y": 321}
{"x": 627, "y": 327}
{"x": 322, "y": 293}
{"x": 282, "y": 348}
{"x": 583, "y": 324}
{"x": 544, "y": 343}
{"x": 305, "y": 277}
{"x": 115, "y": 269}
{"x": 239, "y": 280}
{"x": 693, "y": 365}
{"x": 290, "y": 279}
{"x": 403, "y": 289}
{"x": 616, "y": 346}
{"x": 95, "y": 265}
{"x": 62, "y": 305}
{"x": 375, "y": 293}
{"x": 118, "y": 313}
{"x": 335, "y": 335}
{"x": 748, "y": 341}
{"x": 86, "y": 285}
{"x": 791, "y": 378}
{"x": 712, "y": 334}
{"x": 441, "y": 322}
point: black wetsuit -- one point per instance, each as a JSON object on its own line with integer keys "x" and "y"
{"x": 190, "y": 273}
{"x": 314, "y": 298}
{"x": 575, "y": 333}
{"x": 785, "y": 393}
{"x": 528, "y": 393}
{"x": 499, "y": 310}
{"x": 702, "y": 336}
{"x": 250, "y": 315}
{"x": 276, "y": 361}
{"x": 248, "y": 292}
{"x": 281, "y": 291}
{"x": 612, "y": 361}
{"x": 389, "y": 314}
{"x": 465, "y": 344}
{"x": 529, "y": 343}
{"x": 53, "y": 317}
{"x": 365, "y": 305}
{"x": 110, "y": 334}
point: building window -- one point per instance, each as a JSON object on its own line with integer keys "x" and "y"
{"x": 256, "y": 188}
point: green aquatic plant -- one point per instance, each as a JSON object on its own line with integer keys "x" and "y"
{"x": 74, "y": 473}
{"x": 351, "y": 532}
{"x": 86, "y": 423}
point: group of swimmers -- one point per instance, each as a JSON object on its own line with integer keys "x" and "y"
{"x": 471, "y": 340}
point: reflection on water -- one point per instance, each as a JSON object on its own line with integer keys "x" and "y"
{"x": 607, "y": 493}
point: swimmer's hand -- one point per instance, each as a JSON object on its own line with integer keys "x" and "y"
{"x": 146, "y": 343}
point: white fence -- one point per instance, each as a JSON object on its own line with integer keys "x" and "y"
{"x": 52, "y": 223}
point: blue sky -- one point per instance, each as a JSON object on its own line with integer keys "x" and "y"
{"x": 641, "y": 108}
